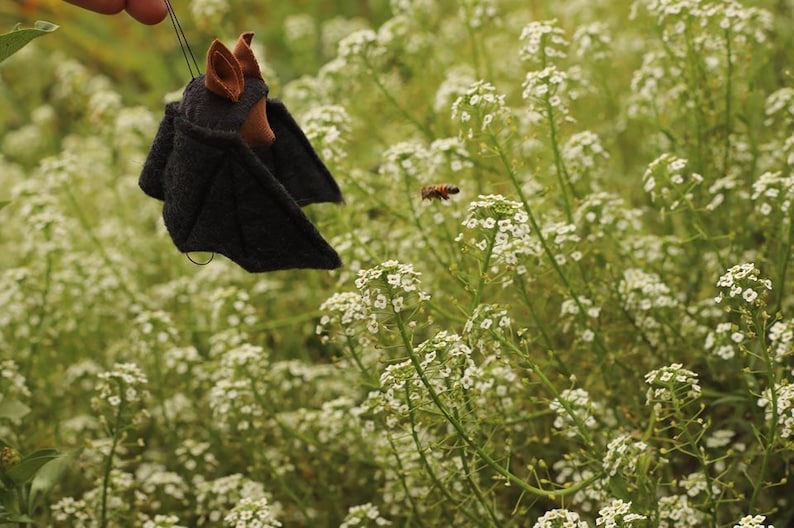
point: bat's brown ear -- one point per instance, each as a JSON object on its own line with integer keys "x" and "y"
{"x": 224, "y": 74}
{"x": 245, "y": 56}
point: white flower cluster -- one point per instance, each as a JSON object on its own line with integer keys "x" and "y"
{"x": 572, "y": 311}
{"x": 403, "y": 159}
{"x": 120, "y": 397}
{"x": 363, "y": 516}
{"x": 773, "y": 193}
{"x": 216, "y": 498}
{"x": 560, "y": 518}
{"x": 676, "y": 512}
{"x": 444, "y": 363}
{"x": 236, "y": 398}
{"x": 542, "y": 41}
{"x": 747, "y": 24}
{"x": 124, "y": 385}
{"x": 697, "y": 483}
{"x": 669, "y": 182}
{"x": 558, "y": 235}
{"x": 455, "y": 84}
{"x": 743, "y": 284}
{"x": 617, "y": 514}
{"x": 328, "y": 128}
{"x": 622, "y": 456}
{"x": 649, "y": 301}
{"x": 208, "y": 14}
{"x": 252, "y": 513}
{"x": 753, "y": 521}
{"x": 13, "y": 385}
{"x": 781, "y": 339}
{"x": 547, "y": 87}
{"x": 602, "y": 214}
{"x": 501, "y": 227}
{"x": 448, "y": 155}
{"x": 671, "y": 385}
{"x": 575, "y": 409}
{"x": 476, "y": 13}
{"x": 487, "y": 318}
{"x": 481, "y": 109}
{"x": 360, "y": 47}
{"x": 387, "y": 286}
{"x": 162, "y": 521}
{"x": 573, "y": 469}
{"x": 725, "y": 340}
{"x": 782, "y": 401}
{"x": 780, "y": 105}
{"x": 342, "y": 309}
{"x": 582, "y": 152}
{"x": 593, "y": 41}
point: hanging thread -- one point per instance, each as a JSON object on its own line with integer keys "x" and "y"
{"x": 183, "y": 43}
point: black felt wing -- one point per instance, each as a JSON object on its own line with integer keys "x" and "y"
{"x": 294, "y": 162}
{"x": 151, "y": 180}
{"x": 220, "y": 197}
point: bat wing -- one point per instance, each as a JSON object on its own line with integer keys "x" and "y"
{"x": 151, "y": 180}
{"x": 220, "y": 197}
{"x": 294, "y": 161}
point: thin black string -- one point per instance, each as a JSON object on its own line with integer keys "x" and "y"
{"x": 183, "y": 44}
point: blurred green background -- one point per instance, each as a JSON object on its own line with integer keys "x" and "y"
{"x": 145, "y": 62}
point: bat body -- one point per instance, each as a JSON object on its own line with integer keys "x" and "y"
{"x": 234, "y": 169}
{"x": 438, "y": 192}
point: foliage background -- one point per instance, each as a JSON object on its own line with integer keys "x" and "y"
{"x": 489, "y": 369}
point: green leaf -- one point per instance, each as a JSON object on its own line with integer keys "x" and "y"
{"x": 13, "y": 410}
{"x": 13, "y": 41}
{"x": 48, "y": 476}
{"x": 3, "y": 203}
{"x": 27, "y": 468}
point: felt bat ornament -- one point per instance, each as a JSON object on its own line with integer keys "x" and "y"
{"x": 234, "y": 169}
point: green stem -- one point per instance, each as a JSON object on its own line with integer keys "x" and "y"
{"x": 424, "y": 129}
{"x": 103, "y": 519}
{"x": 429, "y": 468}
{"x": 771, "y": 439}
{"x": 562, "y": 173}
{"x": 463, "y": 435}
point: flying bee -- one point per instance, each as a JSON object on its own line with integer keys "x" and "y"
{"x": 438, "y": 192}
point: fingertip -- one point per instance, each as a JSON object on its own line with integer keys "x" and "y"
{"x": 147, "y": 11}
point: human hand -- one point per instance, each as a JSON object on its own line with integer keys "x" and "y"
{"x": 145, "y": 11}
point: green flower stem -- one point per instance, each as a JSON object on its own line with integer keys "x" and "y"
{"x": 369, "y": 378}
{"x": 483, "y": 271}
{"x": 546, "y": 382}
{"x": 726, "y": 154}
{"x": 772, "y": 436}
{"x": 600, "y": 346}
{"x": 429, "y": 468}
{"x": 785, "y": 251}
{"x": 461, "y": 432}
{"x": 116, "y": 432}
{"x": 682, "y": 422}
{"x": 562, "y": 173}
{"x": 114, "y": 268}
{"x": 423, "y": 128}
{"x": 401, "y": 475}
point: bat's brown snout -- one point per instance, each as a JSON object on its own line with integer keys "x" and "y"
{"x": 256, "y": 131}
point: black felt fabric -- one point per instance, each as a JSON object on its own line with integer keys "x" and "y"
{"x": 222, "y": 196}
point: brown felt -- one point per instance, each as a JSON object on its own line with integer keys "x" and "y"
{"x": 224, "y": 76}
{"x": 256, "y": 130}
{"x": 245, "y": 56}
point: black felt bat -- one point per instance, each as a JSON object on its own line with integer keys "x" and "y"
{"x": 234, "y": 169}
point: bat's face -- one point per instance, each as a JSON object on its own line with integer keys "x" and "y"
{"x": 232, "y": 95}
